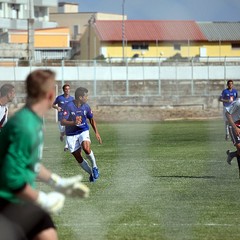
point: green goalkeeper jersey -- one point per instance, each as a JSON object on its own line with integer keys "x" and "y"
{"x": 21, "y": 143}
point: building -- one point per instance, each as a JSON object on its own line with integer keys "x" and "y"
{"x": 26, "y": 31}
{"x": 148, "y": 39}
{"x": 49, "y": 43}
{"x": 67, "y": 15}
{"x": 160, "y": 39}
{"x": 223, "y": 39}
{"x": 14, "y": 14}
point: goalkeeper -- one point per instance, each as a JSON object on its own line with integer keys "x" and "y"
{"x": 21, "y": 141}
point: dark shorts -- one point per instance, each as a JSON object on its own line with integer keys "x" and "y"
{"x": 234, "y": 137}
{"x": 27, "y": 219}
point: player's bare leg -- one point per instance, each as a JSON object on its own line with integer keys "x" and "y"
{"x": 238, "y": 157}
{"x": 48, "y": 234}
{"x": 83, "y": 163}
{"x": 62, "y": 136}
{"x": 86, "y": 145}
{"x": 226, "y": 130}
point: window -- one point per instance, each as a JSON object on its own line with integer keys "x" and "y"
{"x": 75, "y": 31}
{"x": 236, "y": 46}
{"x": 177, "y": 47}
{"x": 140, "y": 46}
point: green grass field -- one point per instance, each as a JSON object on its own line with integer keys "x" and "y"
{"x": 166, "y": 181}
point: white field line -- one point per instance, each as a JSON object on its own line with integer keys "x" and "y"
{"x": 150, "y": 224}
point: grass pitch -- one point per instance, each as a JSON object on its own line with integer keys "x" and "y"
{"x": 166, "y": 181}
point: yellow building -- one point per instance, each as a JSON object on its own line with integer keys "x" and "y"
{"x": 160, "y": 39}
{"x": 50, "y": 43}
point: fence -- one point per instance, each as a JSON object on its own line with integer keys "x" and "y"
{"x": 166, "y": 80}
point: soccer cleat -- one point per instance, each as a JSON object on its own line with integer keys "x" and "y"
{"x": 230, "y": 156}
{"x": 65, "y": 149}
{"x": 91, "y": 178}
{"x": 95, "y": 173}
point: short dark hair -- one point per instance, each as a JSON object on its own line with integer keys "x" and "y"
{"x": 65, "y": 85}
{"x": 80, "y": 92}
{"x": 38, "y": 83}
{"x": 229, "y": 81}
{"x": 5, "y": 89}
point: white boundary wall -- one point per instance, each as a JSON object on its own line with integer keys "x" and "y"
{"x": 128, "y": 73}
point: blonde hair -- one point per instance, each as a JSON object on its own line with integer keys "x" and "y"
{"x": 38, "y": 84}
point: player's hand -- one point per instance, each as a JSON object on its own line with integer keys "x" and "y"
{"x": 237, "y": 131}
{"x": 52, "y": 202}
{"x": 59, "y": 109}
{"x": 71, "y": 186}
{"x": 78, "y": 120}
{"x": 99, "y": 138}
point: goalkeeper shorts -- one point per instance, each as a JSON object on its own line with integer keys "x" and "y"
{"x": 27, "y": 218}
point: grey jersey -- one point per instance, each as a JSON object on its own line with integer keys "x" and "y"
{"x": 234, "y": 110}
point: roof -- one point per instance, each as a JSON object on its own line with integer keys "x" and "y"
{"x": 224, "y": 31}
{"x": 140, "y": 30}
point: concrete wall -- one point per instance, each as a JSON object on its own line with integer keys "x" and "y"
{"x": 122, "y": 73}
{"x": 181, "y": 85}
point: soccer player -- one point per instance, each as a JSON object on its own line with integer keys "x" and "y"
{"x": 227, "y": 97}
{"x": 58, "y": 104}
{"x": 233, "y": 116}
{"x": 75, "y": 117}
{"x": 21, "y": 141}
{"x": 7, "y": 94}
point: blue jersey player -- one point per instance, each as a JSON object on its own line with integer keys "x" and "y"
{"x": 227, "y": 97}
{"x": 75, "y": 117}
{"x": 58, "y": 104}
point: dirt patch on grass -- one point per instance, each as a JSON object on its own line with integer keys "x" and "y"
{"x": 154, "y": 113}
{"x": 140, "y": 113}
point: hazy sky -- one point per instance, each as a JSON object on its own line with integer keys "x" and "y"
{"x": 200, "y": 10}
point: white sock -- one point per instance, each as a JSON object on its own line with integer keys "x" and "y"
{"x": 84, "y": 165}
{"x": 66, "y": 144}
{"x": 226, "y": 128}
{"x": 92, "y": 159}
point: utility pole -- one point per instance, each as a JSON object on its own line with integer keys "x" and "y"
{"x": 90, "y": 22}
{"x": 123, "y": 30}
{"x": 30, "y": 26}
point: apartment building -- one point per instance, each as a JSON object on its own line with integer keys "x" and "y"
{"x": 14, "y": 14}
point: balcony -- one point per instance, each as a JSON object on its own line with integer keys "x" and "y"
{"x": 21, "y": 24}
{"x": 14, "y": 1}
{"x": 47, "y": 3}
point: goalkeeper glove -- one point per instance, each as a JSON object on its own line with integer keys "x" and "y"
{"x": 51, "y": 202}
{"x": 71, "y": 186}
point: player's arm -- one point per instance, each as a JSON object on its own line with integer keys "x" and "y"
{"x": 71, "y": 186}
{"x": 94, "y": 126}
{"x": 65, "y": 122}
{"x": 52, "y": 202}
{"x": 221, "y": 99}
{"x": 28, "y": 193}
{"x": 65, "y": 119}
{"x": 55, "y": 105}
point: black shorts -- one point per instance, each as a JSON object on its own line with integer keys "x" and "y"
{"x": 234, "y": 137}
{"x": 27, "y": 218}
